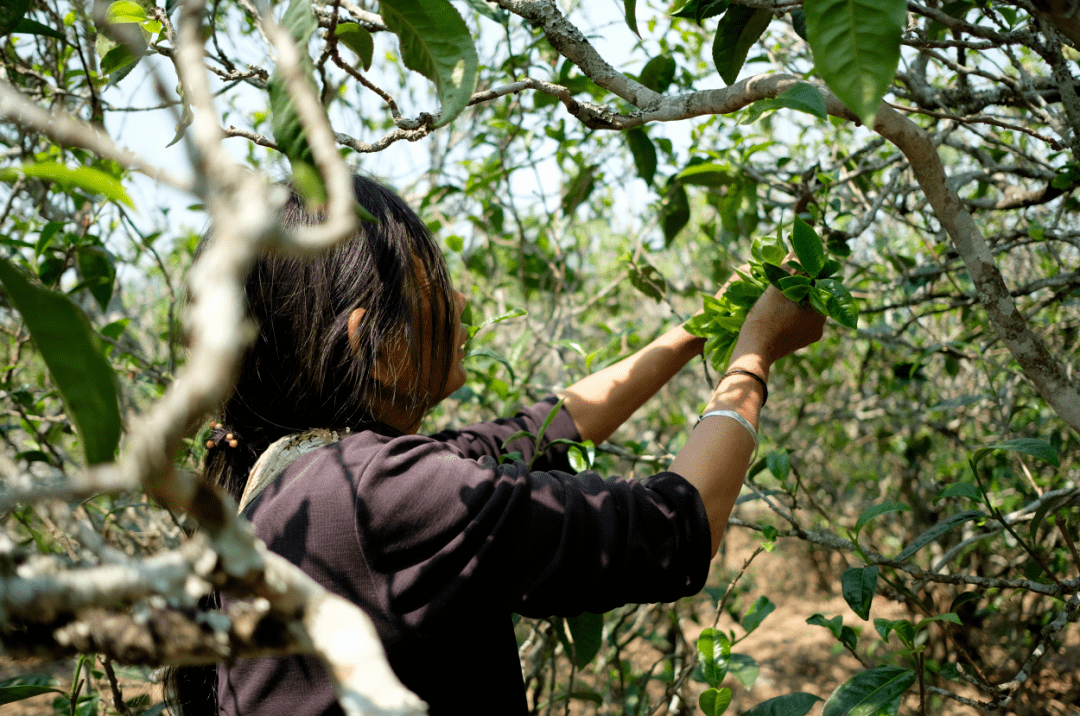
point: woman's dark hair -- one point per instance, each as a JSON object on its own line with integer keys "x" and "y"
{"x": 303, "y": 372}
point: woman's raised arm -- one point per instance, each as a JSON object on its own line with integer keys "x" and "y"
{"x": 718, "y": 450}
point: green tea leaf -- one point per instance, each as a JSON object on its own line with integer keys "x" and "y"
{"x": 903, "y": 628}
{"x": 715, "y": 701}
{"x": 875, "y": 692}
{"x": 938, "y": 530}
{"x": 1029, "y": 446}
{"x": 859, "y": 586}
{"x": 714, "y": 652}
{"x": 435, "y": 42}
{"x": 498, "y": 357}
{"x": 960, "y": 489}
{"x": 675, "y": 212}
{"x": 808, "y": 247}
{"x": 27, "y": 26}
{"x": 285, "y": 123}
{"x": 842, "y": 308}
{"x": 878, "y": 510}
{"x": 357, "y": 38}
{"x": 630, "y": 7}
{"x": 739, "y": 29}
{"x": 658, "y": 73}
{"x": 794, "y": 704}
{"x": 803, "y": 97}
{"x": 779, "y": 463}
{"x": 98, "y": 270}
{"x": 587, "y": 630}
{"x": 745, "y": 670}
{"x": 89, "y": 179}
{"x": 644, "y": 153}
{"x": 761, "y": 608}
{"x": 73, "y": 354}
{"x": 856, "y": 46}
{"x": 11, "y": 13}
{"x": 18, "y": 692}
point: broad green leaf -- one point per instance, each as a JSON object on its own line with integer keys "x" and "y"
{"x": 358, "y": 39}
{"x": 649, "y": 281}
{"x": 123, "y": 11}
{"x": 435, "y": 42}
{"x": 552, "y": 414}
{"x": 18, "y": 692}
{"x": 946, "y": 617}
{"x": 98, "y": 270}
{"x": 790, "y": 281}
{"x": 514, "y": 313}
{"x": 644, "y": 153}
{"x": 118, "y": 58}
{"x": 803, "y": 97}
{"x": 904, "y": 629}
{"x": 46, "y": 236}
{"x": 75, "y": 360}
{"x": 878, "y": 510}
{"x": 89, "y": 179}
{"x": 773, "y": 254}
{"x": 779, "y": 463}
{"x": 960, "y": 489}
{"x": 705, "y": 174}
{"x": 964, "y": 598}
{"x": 11, "y": 14}
{"x": 714, "y": 651}
{"x": 498, "y": 357}
{"x": 490, "y": 11}
{"x": 579, "y": 188}
{"x": 739, "y": 29}
{"x": 936, "y": 531}
{"x": 760, "y": 609}
{"x": 715, "y": 701}
{"x": 859, "y": 586}
{"x": 796, "y": 293}
{"x": 795, "y": 704}
{"x": 1041, "y": 513}
{"x": 842, "y": 307}
{"x": 808, "y": 247}
{"x": 745, "y": 670}
{"x": 856, "y": 46}
{"x": 581, "y": 455}
{"x": 285, "y": 124}
{"x": 875, "y": 692}
{"x": 630, "y": 7}
{"x": 517, "y": 436}
{"x": 587, "y": 630}
{"x": 831, "y": 267}
{"x": 674, "y": 212}
{"x": 1029, "y": 446}
{"x": 844, "y": 634}
{"x": 658, "y": 73}
{"x": 698, "y": 10}
{"x": 775, "y": 274}
{"x": 27, "y": 26}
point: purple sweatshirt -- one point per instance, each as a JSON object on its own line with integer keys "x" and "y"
{"x": 440, "y": 545}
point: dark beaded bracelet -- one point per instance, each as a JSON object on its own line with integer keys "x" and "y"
{"x": 755, "y": 376}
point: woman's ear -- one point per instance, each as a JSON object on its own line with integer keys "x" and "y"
{"x": 354, "y": 325}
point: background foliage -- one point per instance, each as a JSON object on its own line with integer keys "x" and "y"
{"x": 908, "y": 458}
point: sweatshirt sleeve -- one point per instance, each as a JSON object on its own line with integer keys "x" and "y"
{"x": 476, "y": 441}
{"x": 449, "y": 527}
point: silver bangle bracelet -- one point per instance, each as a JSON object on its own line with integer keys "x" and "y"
{"x": 739, "y": 419}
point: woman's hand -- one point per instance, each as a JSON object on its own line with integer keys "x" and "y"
{"x": 776, "y": 327}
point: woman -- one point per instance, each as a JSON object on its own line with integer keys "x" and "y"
{"x": 430, "y": 535}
